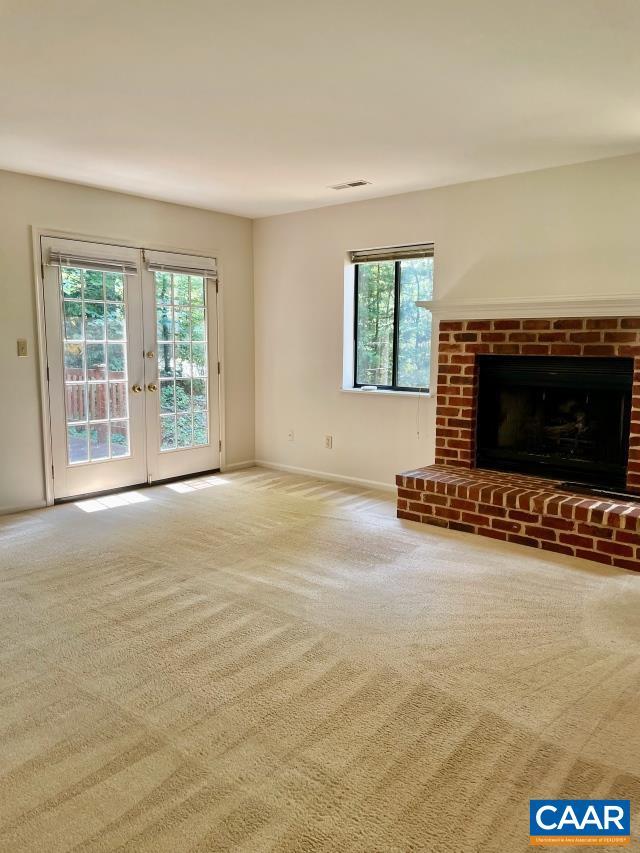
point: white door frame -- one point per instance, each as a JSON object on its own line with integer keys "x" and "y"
{"x": 37, "y": 233}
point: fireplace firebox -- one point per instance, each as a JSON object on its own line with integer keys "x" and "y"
{"x": 561, "y": 418}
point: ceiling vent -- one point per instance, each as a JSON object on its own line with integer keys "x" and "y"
{"x": 350, "y": 185}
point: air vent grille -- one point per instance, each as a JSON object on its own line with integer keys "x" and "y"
{"x": 350, "y": 184}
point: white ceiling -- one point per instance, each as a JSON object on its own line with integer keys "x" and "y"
{"x": 255, "y": 106}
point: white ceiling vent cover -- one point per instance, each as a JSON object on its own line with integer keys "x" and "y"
{"x": 350, "y": 184}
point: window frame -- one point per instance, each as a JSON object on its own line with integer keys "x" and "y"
{"x": 400, "y": 389}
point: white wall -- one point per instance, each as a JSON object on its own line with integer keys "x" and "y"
{"x": 570, "y": 231}
{"x": 567, "y": 231}
{"x": 26, "y": 202}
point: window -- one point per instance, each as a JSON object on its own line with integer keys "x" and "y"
{"x": 392, "y": 334}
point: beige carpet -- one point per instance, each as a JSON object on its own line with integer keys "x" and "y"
{"x": 262, "y": 662}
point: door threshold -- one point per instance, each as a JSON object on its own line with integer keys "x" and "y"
{"x": 120, "y": 489}
{"x": 166, "y": 480}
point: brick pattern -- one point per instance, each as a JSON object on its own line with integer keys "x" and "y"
{"x": 524, "y": 510}
{"x": 461, "y": 341}
{"x": 513, "y": 507}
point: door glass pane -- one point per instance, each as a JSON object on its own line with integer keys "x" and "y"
{"x": 95, "y": 334}
{"x": 96, "y": 361}
{"x": 181, "y": 289}
{"x": 115, "y": 322}
{"x": 183, "y": 395}
{"x": 114, "y": 286}
{"x": 165, "y": 360}
{"x": 120, "y": 438}
{"x": 77, "y": 443}
{"x": 200, "y": 428}
{"x": 165, "y": 323}
{"x": 163, "y": 288}
{"x": 118, "y": 400}
{"x": 182, "y": 325}
{"x": 71, "y": 282}
{"x": 93, "y": 284}
{"x": 72, "y": 320}
{"x": 76, "y": 402}
{"x": 167, "y": 397}
{"x": 97, "y": 392}
{"x": 167, "y": 432}
{"x": 117, "y": 361}
{"x": 197, "y": 290}
{"x": 99, "y": 441}
{"x": 199, "y": 359}
{"x": 182, "y": 360}
{"x": 199, "y": 395}
{"x": 183, "y": 431}
{"x": 197, "y": 324}
{"x": 73, "y": 362}
{"x": 94, "y": 321}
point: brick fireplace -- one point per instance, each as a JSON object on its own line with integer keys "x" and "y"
{"x": 517, "y": 507}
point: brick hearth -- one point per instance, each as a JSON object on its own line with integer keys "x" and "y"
{"x": 524, "y": 510}
{"x": 517, "y": 508}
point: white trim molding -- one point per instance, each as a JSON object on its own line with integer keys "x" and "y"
{"x": 607, "y": 305}
{"x": 41, "y": 339}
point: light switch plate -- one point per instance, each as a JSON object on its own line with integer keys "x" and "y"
{"x": 22, "y": 348}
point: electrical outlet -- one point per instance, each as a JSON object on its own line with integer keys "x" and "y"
{"x": 291, "y": 435}
{"x": 328, "y": 442}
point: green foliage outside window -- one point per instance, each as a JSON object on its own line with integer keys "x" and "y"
{"x": 386, "y": 295}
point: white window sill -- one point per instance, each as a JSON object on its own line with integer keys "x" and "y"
{"x": 384, "y": 392}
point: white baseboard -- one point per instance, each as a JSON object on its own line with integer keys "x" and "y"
{"x": 236, "y": 466}
{"x": 14, "y": 510}
{"x": 325, "y": 475}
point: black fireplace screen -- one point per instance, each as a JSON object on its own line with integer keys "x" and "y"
{"x": 555, "y": 417}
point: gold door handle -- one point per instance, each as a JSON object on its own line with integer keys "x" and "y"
{"x": 152, "y": 386}
{"x": 136, "y": 389}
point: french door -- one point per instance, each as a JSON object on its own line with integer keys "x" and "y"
{"x": 132, "y": 356}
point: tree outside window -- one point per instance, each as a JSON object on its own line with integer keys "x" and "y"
{"x": 393, "y": 335}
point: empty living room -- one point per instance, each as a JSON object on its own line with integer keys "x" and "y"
{"x": 320, "y": 426}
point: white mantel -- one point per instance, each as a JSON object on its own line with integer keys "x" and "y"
{"x": 608, "y": 305}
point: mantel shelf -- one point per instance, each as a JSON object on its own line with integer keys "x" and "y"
{"x": 609, "y": 305}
